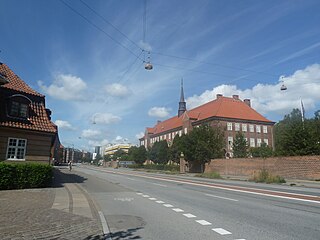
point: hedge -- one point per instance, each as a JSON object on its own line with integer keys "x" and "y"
{"x": 164, "y": 167}
{"x": 25, "y": 175}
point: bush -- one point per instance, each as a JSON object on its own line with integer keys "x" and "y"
{"x": 213, "y": 175}
{"x": 265, "y": 177}
{"x": 25, "y": 175}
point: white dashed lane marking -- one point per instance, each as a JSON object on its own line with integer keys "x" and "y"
{"x": 221, "y": 231}
{"x": 189, "y": 215}
{"x": 159, "y": 201}
{"x": 161, "y": 185}
{"x": 153, "y": 199}
{"x": 167, "y": 205}
{"x": 139, "y": 193}
{"x": 203, "y": 222}
{"x": 145, "y": 196}
{"x": 177, "y": 210}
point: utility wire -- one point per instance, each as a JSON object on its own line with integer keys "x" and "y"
{"x": 114, "y": 27}
{"x": 101, "y": 30}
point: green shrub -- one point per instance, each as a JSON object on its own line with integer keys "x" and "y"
{"x": 160, "y": 167}
{"x": 25, "y": 175}
{"x": 213, "y": 175}
{"x": 264, "y": 176}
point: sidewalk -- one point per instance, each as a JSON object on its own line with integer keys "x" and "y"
{"x": 64, "y": 211}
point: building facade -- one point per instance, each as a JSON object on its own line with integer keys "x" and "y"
{"x": 230, "y": 114}
{"x": 26, "y": 130}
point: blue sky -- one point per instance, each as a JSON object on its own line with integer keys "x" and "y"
{"x": 86, "y": 57}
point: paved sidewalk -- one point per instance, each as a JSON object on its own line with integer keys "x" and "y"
{"x": 63, "y": 212}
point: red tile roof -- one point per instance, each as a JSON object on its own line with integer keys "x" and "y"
{"x": 223, "y": 107}
{"x": 38, "y": 119}
{"x": 15, "y": 83}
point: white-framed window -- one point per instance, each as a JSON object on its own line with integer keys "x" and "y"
{"x": 230, "y": 142}
{"x": 244, "y": 127}
{"x": 252, "y": 142}
{"x": 185, "y": 130}
{"x": 165, "y": 136}
{"x": 169, "y": 136}
{"x": 237, "y": 126}
{"x": 229, "y": 126}
{"x": 246, "y": 140}
{"x": 251, "y": 128}
{"x": 258, "y": 142}
{"x": 180, "y": 133}
{"x": 16, "y": 149}
{"x": 266, "y": 141}
{"x": 160, "y": 138}
{"x": 258, "y": 128}
{"x": 157, "y": 139}
{"x": 265, "y": 129}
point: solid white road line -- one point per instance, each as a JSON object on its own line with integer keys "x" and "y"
{"x": 221, "y": 231}
{"x": 152, "y": 198}
{"x": 167, "y": 205}
{"x": 189, "y": 215}
{"x": 177, "y": 210}
{"x": 159, "y": 201}
{"x": 105, "y": 227}
{"x": 203, "y": 222}
{"x": 230, "y": 199}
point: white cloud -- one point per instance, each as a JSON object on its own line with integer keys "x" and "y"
{"x": 65, "y": 87}
{"x": 160, "y": 112}
{"x": 117, "y": 90}
{"x": 139, "y": 135}
{"x": 94, "y": 143}
{"x": 64, "y": 125}
{"x": 105, "y": 118}
{"x": 268, "y": 98}
{"x": 91, "y": 134}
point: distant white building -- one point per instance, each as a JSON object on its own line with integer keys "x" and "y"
{"x": 112, "y": 148}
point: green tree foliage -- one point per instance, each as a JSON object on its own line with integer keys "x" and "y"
{"x": 159, "y": 152}
{"x": 107, "y": 158}
{"x": 240, "y": 147}
{"x": 263, "y": 151}
{"x": 203, "y": 144}
{"x": 178, "y": 146}
{"x": 296, "y": 137}
{"x": 120, "y": 155}
{"x": 137, "y": 154}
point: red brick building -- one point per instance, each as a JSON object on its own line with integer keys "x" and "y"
{"x": 230, "y": 114}
{"x": 26, "y": 130}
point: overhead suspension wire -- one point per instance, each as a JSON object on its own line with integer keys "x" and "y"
{"x": 100, "y": 29}
{"x": 109, "y": 23}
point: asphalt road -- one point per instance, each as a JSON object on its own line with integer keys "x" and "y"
{"x": 140, "y": 205}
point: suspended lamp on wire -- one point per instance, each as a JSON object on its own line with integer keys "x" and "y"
{"x": 147, "y": 63}
{"x": 283, "y": 87}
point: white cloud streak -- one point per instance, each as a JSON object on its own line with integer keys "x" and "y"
{"x": 65, "y": 125}
{"x": 105, "y": 118}
{"x": 117, "y": 90}
{"x": 65, "y": 87}
{"x": 160, "y": 112}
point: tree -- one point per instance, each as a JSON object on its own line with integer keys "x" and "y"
{"x": 159, "y": 152}
{"x": 263, "y": 151}
{"x": 120, "y": 155}
{"x": 178, "y": 146}
{"x": 137, "y": 154}
{"x": 107, "y": 158}
{"x": 293, "y": 136}
{"x": 203, "y": 144}
{"x": 240, "y": 147}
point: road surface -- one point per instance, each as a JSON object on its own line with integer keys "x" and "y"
{"x": 139, "y": 205}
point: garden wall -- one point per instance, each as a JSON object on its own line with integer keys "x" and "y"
{"x": 295, "y": 167}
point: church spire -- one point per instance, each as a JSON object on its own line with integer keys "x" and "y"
{"x": 182, "y": 103}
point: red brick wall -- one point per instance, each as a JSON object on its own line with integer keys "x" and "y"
{"x": 297, "y": 167}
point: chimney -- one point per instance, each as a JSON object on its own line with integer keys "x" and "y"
{"x": 248, "y": 102}
{"x": 48, "y": 111}
{"x": 219, "y": 96}
{"x": 235, "y": 97}
{"x": 158, "y": 121}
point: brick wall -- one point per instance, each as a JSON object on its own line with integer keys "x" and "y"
{"x": 296, "y": 167}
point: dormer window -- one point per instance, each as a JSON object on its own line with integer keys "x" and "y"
{"x": 18, "y": 106}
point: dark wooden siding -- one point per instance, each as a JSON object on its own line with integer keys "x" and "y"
{"x": 38, "y": 144}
